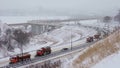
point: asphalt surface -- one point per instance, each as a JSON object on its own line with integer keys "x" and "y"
{"x": 53, "y": 54}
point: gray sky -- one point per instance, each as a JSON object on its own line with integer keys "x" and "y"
{"x": 71, "y": 6}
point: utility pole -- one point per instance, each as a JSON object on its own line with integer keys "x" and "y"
{"x": 22, "y": 51}
{"x": 71, "y": 38}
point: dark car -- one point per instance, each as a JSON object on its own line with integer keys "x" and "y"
{"x": 64, "y": 49}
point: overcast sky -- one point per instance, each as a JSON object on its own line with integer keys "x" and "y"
{"x": 71, "y": 6}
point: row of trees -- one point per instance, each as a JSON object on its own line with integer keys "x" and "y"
{"x": 14, "y": 35}
{"x": 117, "y": 17}
{"x": 108, "y": 19}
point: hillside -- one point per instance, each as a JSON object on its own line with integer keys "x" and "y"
{"x": 112, "y": 61}
{"x": 99, "y": 51}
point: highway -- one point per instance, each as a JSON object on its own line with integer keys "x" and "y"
{"x": 48, "y": 57}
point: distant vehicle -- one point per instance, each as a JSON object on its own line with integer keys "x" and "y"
{"x": 19, "y": 58}
{"x": 43, "y": 51}
{"x": 64, "y": 49}
{"x": 26, "y": 56}
{"x": 96, "y": 36}
{"x": 89, "y": 39}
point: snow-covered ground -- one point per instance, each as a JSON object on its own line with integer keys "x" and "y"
{"x": 23, "y": 19}
{"x": 109, "y": 62}
{"x": 61, "y": 38}
{"x": 112, "y": 61}
{"x": 58, "y": 38}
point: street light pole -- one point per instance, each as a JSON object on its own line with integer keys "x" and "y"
{"x": 22, "y": 51}
{"x": 71, "y": 38}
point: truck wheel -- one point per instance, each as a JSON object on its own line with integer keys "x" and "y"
{"x": 10, "y": 63}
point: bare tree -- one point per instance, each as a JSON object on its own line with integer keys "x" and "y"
{"x": 107, "y": 19}
{"x": 117, "y": 17}
{"x": 21, "y": 37}
{"x": 8, "y": 39}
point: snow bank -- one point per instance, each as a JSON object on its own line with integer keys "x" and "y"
{"x": 112, "y": 61}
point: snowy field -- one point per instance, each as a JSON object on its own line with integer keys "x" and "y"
{"x": 58, "y": 38}
{"x": 23, "y": 19}
{"x": 112, "y": 61}
{"x": 54, "y": 38}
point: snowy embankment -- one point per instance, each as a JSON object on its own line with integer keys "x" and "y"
{"x": 92, "y": 55}
{"x": 95, "y": 53}
{"x": 112, "y": 61}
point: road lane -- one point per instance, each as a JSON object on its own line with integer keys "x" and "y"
{"x": 53, "y": 54}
